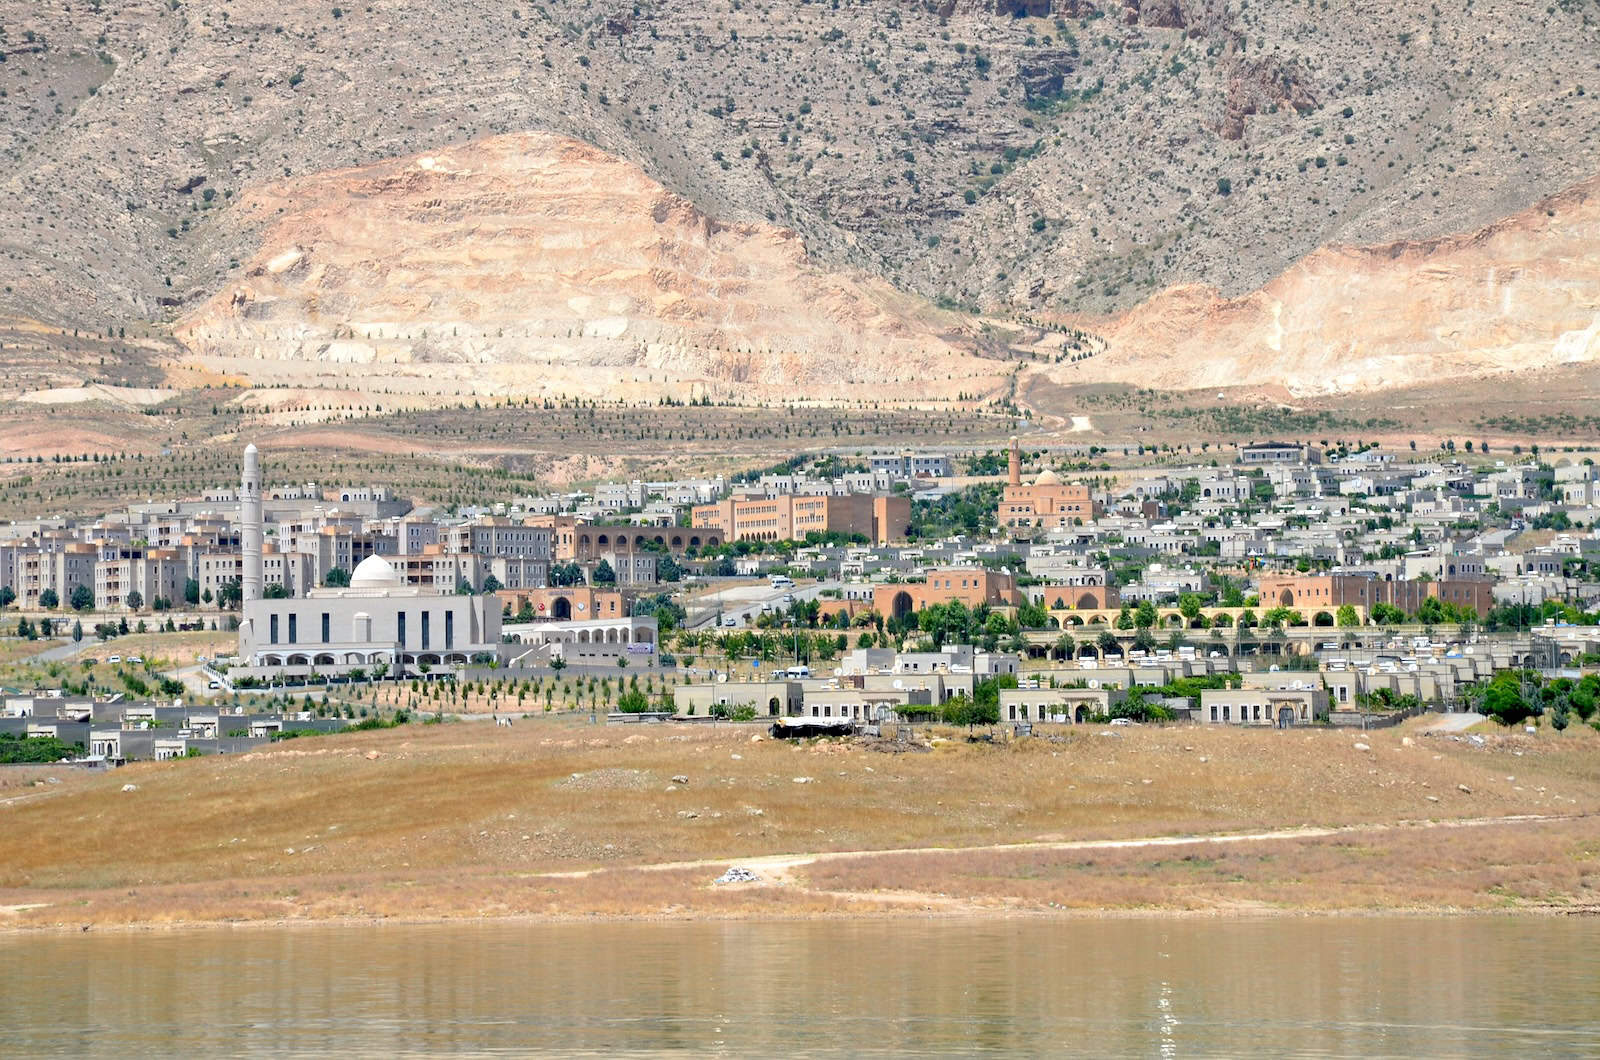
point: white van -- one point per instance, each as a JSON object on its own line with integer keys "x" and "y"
{"x": 782, "y": 581}
{"x": 797, "y": 672}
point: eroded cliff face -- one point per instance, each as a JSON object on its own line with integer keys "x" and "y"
{"x": 536, "y": 264}
{"x": 1521, "y": 295}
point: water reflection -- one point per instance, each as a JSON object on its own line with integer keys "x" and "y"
{"x": 1169, "y": 988}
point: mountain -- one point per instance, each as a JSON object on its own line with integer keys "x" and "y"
{"x": 1520, "y": 295}
{"x": 537, "y": 264}
{"x": 1056, "y": 160}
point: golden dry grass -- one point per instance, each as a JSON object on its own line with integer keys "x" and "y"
{"x": 1468, "y": 866}
{"x": 473, "y": 815}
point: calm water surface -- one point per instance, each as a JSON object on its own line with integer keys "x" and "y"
{"x": 1148, "y": 988}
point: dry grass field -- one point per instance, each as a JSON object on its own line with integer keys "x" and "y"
{"x": 555, "y": 817}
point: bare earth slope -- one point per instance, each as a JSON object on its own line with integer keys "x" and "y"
{"x": 537, "y": 264}
{"x": 1520, "y": 295}
{"x": 557, "y": 818}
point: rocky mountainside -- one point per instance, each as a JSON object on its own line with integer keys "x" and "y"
{"x": 1035, "y": 158}
{"x": 535, "y": 264}
{"x": 1520, "y": 295}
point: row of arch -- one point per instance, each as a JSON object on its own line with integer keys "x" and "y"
{"x": 676, "y": 542}
{"x": 597, "y": 635}
{"x": 363, "y": 658}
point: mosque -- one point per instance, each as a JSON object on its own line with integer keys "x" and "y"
{"x": 377, "y": 621}
{"x": 1047, "y": 502}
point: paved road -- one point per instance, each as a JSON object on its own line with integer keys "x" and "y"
{"x": 743, "y": 603}
{"x": 196, "y": 682}
{"x": 1453, "y": 722}
{"x": 58, "y": 653}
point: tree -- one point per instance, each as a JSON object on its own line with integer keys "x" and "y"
{"x": 82, "y": 598}
{"x": 336, "y": 578}
{"x": 77, "y": 631}
{"x": 275, "y": 591}
{"x": 8, "y": 596}
{"x": 963, "y": 711}
{"x": 633, "y": 702}
{"x": 1347, "y": 618}
{"x": 603, "y": 574}
{"x": 463, "y": 587}
{"x": 1386, "y": 614}
{"x": 49, "y": 600}
{"x": 558, "y": 664}
{"x": 667, "y": 568}
{"x": 1189, "y": 606}
{"x": 491, "y": 584}
{"x": 191, "y": 592}
{"x": 134, "y": 600}
{"x": 1032, "y": 616}
{"x": 1502, "y": 698}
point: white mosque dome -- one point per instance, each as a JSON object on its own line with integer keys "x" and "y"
{"x": 1046, "y": 478}
{"x": 374, "y": 572}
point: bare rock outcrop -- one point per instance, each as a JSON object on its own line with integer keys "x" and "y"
{"x": 538, "y": 264}
{"x": 1520, "y": 295}
{"x": 1256, "y": 86}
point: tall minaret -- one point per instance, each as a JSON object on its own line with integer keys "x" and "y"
{"x": 250, "y": 523}
{"x": 1014, "y": 464}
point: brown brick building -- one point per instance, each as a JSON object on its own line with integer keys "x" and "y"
{"x": 972, "y": 586}
{"x": 880, "y": 519}
{"x": 1309, "y": 593}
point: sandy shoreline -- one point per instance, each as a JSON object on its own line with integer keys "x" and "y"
{"x": 526, "y": 919}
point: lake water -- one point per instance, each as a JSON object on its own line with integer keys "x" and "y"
{"x": 1149, "y": 988}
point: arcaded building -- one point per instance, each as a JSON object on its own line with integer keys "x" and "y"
{"x": 972, "y": 586}
{"x": 1310, "y": 593}
{"x": 377, "y": 620}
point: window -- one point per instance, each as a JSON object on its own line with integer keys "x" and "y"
{"x": 1225, "y": 712}
{"x": 449, "y": 630}
{"x": 426, "y": 615}
{"x": 1213, "y": 712}
{"x": 400, "y": 619}
{"x": 294, "y": 632}
{"x": 273, "y": 637}
{"x": 325, "y": 628}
